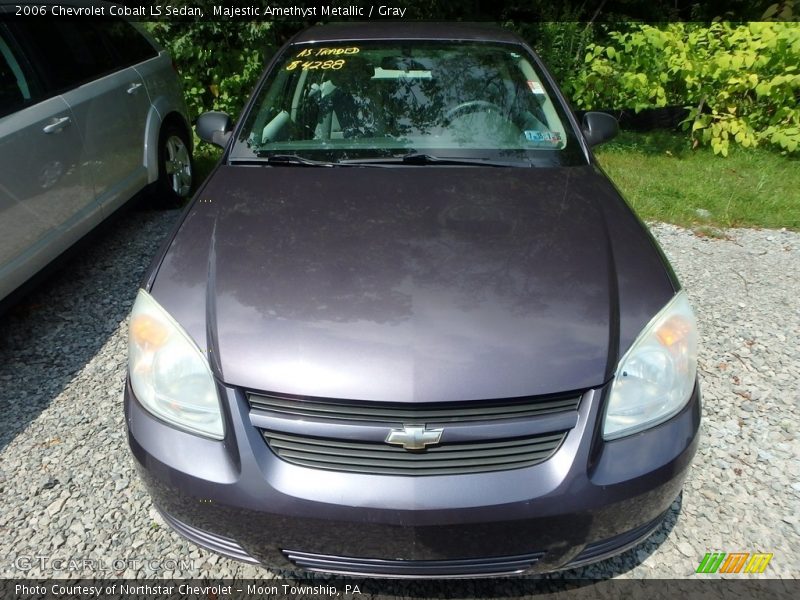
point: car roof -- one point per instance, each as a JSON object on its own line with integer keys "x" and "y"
{"x": 372, "y": 30}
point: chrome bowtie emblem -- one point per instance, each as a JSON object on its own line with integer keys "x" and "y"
{"x": 414, "y": 437}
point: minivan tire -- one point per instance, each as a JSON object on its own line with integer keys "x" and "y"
{"x": 175, "y": 167}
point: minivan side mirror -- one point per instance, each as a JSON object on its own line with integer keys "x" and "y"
{"x": 214, "y": 127}
{"x": 599, "y": 127}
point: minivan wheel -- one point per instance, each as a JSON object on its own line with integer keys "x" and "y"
{"x": 174, "y": 166}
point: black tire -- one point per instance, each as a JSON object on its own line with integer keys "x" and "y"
{"x": 175, "y": 168}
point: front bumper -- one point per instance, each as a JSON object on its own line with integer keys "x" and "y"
{"x": 590, "y": 500}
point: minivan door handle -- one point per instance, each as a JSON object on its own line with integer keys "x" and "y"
{"x": 57, "y": 125}
{"x": 134, "y": 87}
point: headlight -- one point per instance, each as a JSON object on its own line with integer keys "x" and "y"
{"x": 655, "y": 378}
{"x": 168, "y": 373}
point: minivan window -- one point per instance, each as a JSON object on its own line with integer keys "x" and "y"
{"x": 69, "y": 53}
{"x": 381, "y": 99}
{"x": 130, "y": 46}
{"x": 15, "y": 89}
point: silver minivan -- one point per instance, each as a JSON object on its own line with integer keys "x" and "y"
{"x": 91, "y": 112}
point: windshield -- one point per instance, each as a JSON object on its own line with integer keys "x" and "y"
{"x": 385, "y": 100}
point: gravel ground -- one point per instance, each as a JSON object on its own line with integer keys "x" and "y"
{"x": 69, "y": 489}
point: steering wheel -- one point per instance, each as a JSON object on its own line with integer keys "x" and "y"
{"x": 471, "y": 106}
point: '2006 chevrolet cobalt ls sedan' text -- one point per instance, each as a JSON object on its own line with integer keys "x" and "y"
{"x": 408, "y": 327}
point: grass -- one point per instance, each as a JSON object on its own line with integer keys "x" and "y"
{"x": 663, "y": 179}
{"x": 204, "y": 159}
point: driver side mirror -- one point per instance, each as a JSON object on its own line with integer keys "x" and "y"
{"x": 215, "y": 128}
{"x": 599, "y": 127}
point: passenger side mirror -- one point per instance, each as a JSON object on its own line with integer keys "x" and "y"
{"x": 215, "y": 128}
{"x": 599, "y": 127}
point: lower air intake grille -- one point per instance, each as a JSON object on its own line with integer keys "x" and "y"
{"x": 382, "y": 459}
{"x": 465, "y": 567}
{"x": 609, "y": 547}
{"x": 212, "y": 541}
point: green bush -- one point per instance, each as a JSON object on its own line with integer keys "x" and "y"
{"x": 561, "y": 45}
{"x": 219, "y": 62}
{"x": 741, "y": 82}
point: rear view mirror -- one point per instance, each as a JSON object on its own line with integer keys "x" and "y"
{"x": 599, "y": 127}
{"x": 215, "y": 128}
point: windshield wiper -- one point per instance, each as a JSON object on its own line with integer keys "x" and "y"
{"x": 411, "y": 158}
{"x": 291, "y": 160}
{"x": 421, "y": 158}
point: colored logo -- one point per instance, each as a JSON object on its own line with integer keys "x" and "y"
{"x": 735, "y": 562}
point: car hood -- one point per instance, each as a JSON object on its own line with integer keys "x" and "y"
{"x": 406, "y": 284}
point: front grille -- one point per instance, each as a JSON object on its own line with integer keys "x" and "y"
{"x": 322, "y": 445}
{"x": 382, "y": 459}
{"x": 465, "y": 567}
{"x": 386, "y": 413}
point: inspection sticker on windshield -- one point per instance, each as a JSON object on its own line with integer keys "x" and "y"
{"x": 536, "y": 87}
{"x": 554, "y": 137}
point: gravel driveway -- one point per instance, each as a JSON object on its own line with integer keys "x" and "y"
{"x": 70, "y": 492}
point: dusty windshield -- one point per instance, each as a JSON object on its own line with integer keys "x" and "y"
{"x": 356, "y": 101}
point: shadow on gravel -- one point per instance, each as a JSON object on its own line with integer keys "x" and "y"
{"x": 52, "y": 333}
